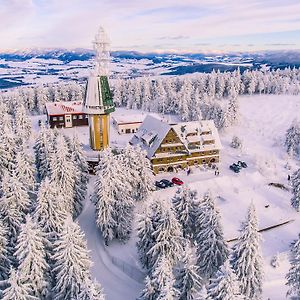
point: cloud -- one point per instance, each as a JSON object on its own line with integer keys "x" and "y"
{"x": 208, "y": 23}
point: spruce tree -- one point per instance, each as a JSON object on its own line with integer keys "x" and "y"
{"x": 293, "y": 276}
{"x": 50, "y": 213}
{"x": 14, "y": 204}
{"x": 185, "y": 205}
{"x": 5, "y": 260}
{"x": 31, "y": 257}
{"x": 91, "y": 291}
{"x": 167, "y": 236}
{"x": 63, "y": 172}
{"x": 223, "y": 285}
{"x": 246, "y": 258}
{"x": 71, "y": 262}
{"x": 292, "y": 138}
{"x": 17, "y": 289}
{"x": 212, "y": 250}
{"x": 188, "y": 281}
{"x": 160, "y": 284}
{"x": 295, "y": 201}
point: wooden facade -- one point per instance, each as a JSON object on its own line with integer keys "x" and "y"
{"x": 67, "y": 120}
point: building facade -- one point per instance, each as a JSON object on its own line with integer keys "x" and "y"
{"x": 178, "y": 146}
{"x": 65, "y": 114}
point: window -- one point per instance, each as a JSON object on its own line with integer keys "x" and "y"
{"x": 74, "y": 117}
{"x": 122, "y": 130}
{"x": 61, "y": 118}
{"x": 80, "y": 117}
{"x": 127, "y": 130}
{"x": 54, "y": 118}
{"x": 132, "y": 130}
{"x": 86, "y": 116}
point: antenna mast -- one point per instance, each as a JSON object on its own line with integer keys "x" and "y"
{"x": 102, "y": 47}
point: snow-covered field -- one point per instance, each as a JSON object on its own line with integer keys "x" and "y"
{"x": 264, "y": 120}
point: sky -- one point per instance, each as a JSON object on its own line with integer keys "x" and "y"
{"x": 152, "y": 25}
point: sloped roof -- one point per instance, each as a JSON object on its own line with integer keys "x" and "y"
{"x": 152, "y": 132}
{"x": 63, "y": 108}
{"x": 150, "y": 135}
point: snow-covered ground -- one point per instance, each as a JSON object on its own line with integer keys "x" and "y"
{"x": 264, "y": 120}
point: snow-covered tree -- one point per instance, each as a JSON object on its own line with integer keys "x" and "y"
{"x": 160, "y": 284}
{"x": 295, "y": 180}
{"x": 224, "y": 285}
{"x": 292, "y": 138}
{"x": 14, "y": 203}
{"x": 185, "y": 204}
{"x": 236, "y": 142}
{"x": 25, "y": 170}
{"x": 246, "y": 257}
{"x": 43, "y": 149}
{"x": 167, "y": 236}
{"x": 293, "y": 276}
{"x": 31, "y": 257}
{"x": 114, "y": 204}
{"x": 91, "y": 291}
{"x": 5, "y": 261}
{"x": 23, "y": 124}
{"x": 50, "y": 213}
{"x": 212, "y": 250}
{"x": 139, "y": 169}
{"x": 17, "y": 289}
{"x": 81, "y": 178}
{"x": 63, "y": 172}
{"x": 71, "y": 262}
{"x": 188, "y": 281}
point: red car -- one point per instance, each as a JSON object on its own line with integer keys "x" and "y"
{"x": 177, "y": 181}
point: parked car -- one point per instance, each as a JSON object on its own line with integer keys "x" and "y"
{"x": 235, "y": 168}
{"x": 177, "y": 181}
{"x": 160, "y": 184}
{"x": 242, "y": 164}
{"x": 167, "y": 182}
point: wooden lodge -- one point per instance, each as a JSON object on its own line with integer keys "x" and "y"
{"x": 178, "y": 146}
{"x": 65, "y": 114}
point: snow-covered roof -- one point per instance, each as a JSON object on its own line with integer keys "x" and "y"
{"x": 63, "y": 108}
{"x": 152, "y": 132}
{"x": 127, "y": 117}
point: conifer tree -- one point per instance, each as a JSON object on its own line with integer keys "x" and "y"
{"x": 43, "y": 149}
{"x": 5, "y": 261}
{"x": 72, "y": 262}
{"x": 212, "y": 250}
{"x": 31, "y": 257}
{"x": 14, "y": 204}
{"x": 186, "y": 205}
{"x": 223, "y": 285}
{"x": 91, "y": 291}
{"x": 295, "y": 201}
{"x": 293, "y": 276}
{"x": 246, "y": 258}
{"x": 50, "y": 213}
{"x": 23, "y": 124}
{"x": 160, "y": 284}
{"x": 188, "y": 281}
{"x": 63, "y": 172}
{"x": 25, "y": 170}
{"x": 17, "y": 289}
{"x": 167, "y": 236}
{"x": 114, "y": 205}
{"x": 292, "y": 138}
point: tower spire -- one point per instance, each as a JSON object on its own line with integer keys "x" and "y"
{"x": 101, "y": 45}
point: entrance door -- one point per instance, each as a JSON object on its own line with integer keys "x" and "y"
{"x": 68, "y": 121}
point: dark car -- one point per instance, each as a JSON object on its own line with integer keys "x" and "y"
{"x": 167, "y": 182}
{"x": 160, "y": 184}
{"x": 177, "y": 181}
{"x": 242, "y": 164}
{"x": 235, "y": 168}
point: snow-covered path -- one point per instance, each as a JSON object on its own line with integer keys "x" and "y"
{"x": 116, "y": 284}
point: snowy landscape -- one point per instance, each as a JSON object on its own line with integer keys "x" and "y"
{"x": 166, "y": 167}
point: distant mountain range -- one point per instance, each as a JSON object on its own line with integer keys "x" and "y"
{"x": 52, "y": 65}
